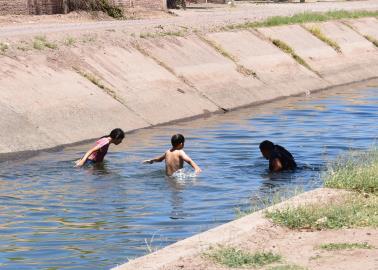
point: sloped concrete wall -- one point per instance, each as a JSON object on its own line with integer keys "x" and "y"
{"x": 336, "y": 68}
{"x": 45, "y": 103}
{"x": 365, "y": 26}
{"x": 274, "y": 68}
{"x": 147, "y": 88}
{"x": 54, "y": 106}
{"x": 206, "y": 70}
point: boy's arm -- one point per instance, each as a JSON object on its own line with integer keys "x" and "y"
{"x": 188, "y": 160}
{"x": 82, "y": 161}
{"x": 276, "y": 165}
{"x": 158, "y": 159}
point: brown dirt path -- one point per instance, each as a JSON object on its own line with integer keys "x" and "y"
{"x": 201, "y": 18}
{"x": 301, "y": 248}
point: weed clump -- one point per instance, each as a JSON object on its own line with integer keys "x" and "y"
{"x": 233, "y": 257}
{"x": 97, "y": 5}
{"x": 3, "y": 47}
{"x": 351, "y": 212}
{"x": 305, "y": 17}
{"x": 355, "y": 171}
{"x": 341, "y": 246}
{"x": 287, "y": 49}
{"x": 320, "y": 35}
{"x": 372, "y": 40}
{"x": 69, "y": 41}
{"x": 40, "y": 43}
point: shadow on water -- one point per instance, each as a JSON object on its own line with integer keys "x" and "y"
{"x": 60, "y": 217}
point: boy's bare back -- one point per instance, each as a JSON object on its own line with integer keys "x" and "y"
{"x": 173, "y": 161}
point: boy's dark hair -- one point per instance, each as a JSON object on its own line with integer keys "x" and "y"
{"x": 117, "y": 134}
{"x": 267, "y": 145}
{"x": 177, "y": 139}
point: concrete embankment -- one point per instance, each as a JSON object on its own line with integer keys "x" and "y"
{"x": 78, "y": 93}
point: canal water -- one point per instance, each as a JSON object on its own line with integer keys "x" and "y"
{"x": 55, "y": 216}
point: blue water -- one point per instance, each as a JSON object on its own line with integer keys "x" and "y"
{"x": 54, "y": 216}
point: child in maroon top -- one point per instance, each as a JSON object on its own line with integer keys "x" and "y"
{"x": 98, "y": 152}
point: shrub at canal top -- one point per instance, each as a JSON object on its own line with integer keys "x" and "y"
{"x": 355, "y": 171}
{"x": 305, "y": 17}
{"x": 97, "y": 5}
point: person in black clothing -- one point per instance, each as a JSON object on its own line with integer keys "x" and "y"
{"x": 279, "y": 158}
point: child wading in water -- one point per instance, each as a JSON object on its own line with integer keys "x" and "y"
{"x": 175, "y": 157}
{"x": 98, "y": 152}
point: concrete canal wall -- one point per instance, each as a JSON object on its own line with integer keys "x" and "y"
{"x": 82, "y": 93}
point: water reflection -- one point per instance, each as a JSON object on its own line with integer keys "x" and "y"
{"x": 56, "y": 216}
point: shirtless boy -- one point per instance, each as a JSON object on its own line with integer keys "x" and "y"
{"x": 175, "y": 157}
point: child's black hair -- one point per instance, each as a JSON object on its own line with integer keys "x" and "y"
{"x": 267, "y": 145}
{"x": 116, "y": 134}
{"x": 177, "y": 139}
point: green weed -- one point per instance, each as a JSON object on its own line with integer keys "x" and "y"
{"x": 320, "y": 35}
{"x": 372, "y": 40}
{"x": 162, "y": 34}
{"x": 233, "y": 257}
{"x": 355, "y": 171}
{"x": 69, "y": 41}
{"x": 305, "y": 17}
{"x": 287, "y": 49}
{"x": 97, "y": 5}
{"x": 89, "y": 38}
{"x": 239, "y": 68}
{"x": 3, "y": 47}
{"x": 93, "y": 79}
{"x": 341, "y": 246}
{"x": 218, "y": 48}
{"x": 353, "y": 211}
{"x": 40, "y": 43}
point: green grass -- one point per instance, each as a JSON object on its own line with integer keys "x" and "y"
{"x": 320, "y": 35}
{"x": 69, "y": 41}
{"x": 105, "y": 6}
{"x": 3, "y": 47}
{"x": 162, "y": 34}
{"x": 372, "y": 40}
{"x": 287, "y": 49}
{"x": 232, "y": 257}
{"x": 96, "y": 81}
{"x": 239, "y": 68}
{"x": 351, "y": 212}
{"x": 40, "y": 43}
{"x": 342, "y": 246}
{"x": 218, "y": 48}
{"x": 355, "y": 171}
{"x": 305, "y": 17}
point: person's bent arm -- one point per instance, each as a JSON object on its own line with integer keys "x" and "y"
{"x": 82, "y": 161}
{"x": 276, "y": 165}
{"x": 158, "y": 159}
{"x": 188, "y": 160}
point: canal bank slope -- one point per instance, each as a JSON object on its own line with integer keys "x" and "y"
{"x": 55, "y": 94}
